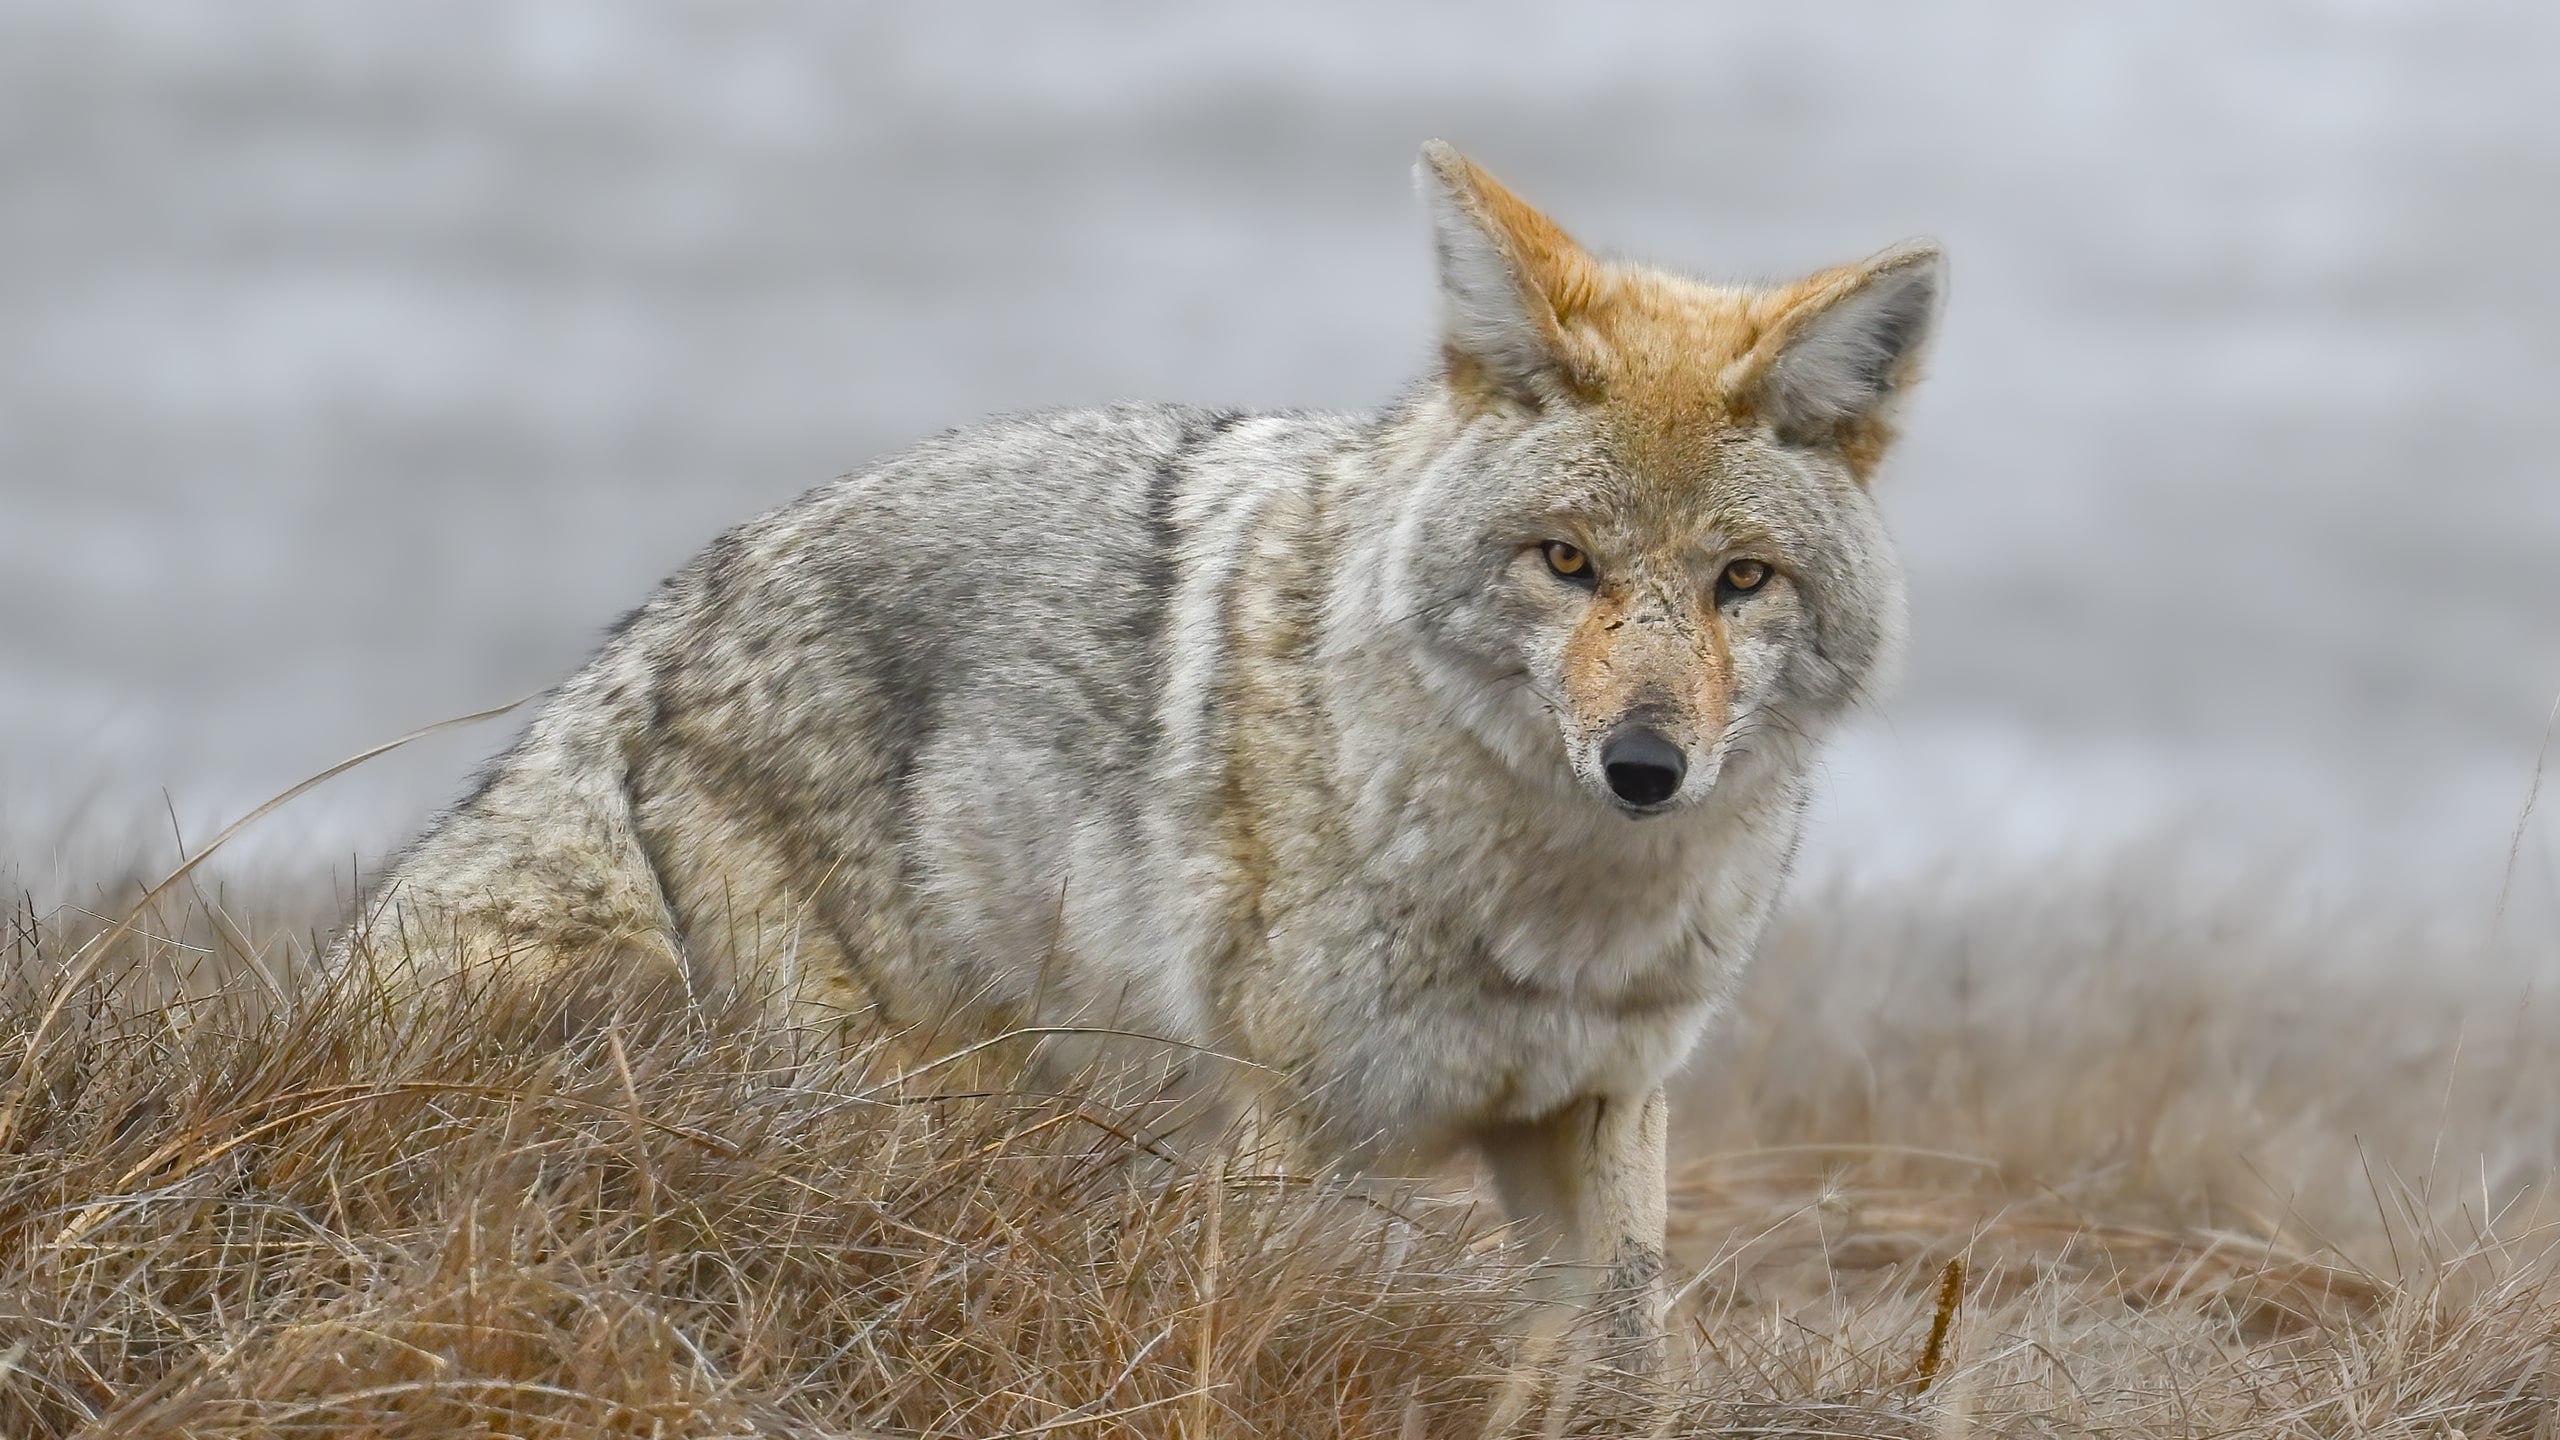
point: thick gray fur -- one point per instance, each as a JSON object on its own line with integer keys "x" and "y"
{"x": 1282, "y": 736}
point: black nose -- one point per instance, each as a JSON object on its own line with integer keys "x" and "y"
{"x": 1643, "y": 766}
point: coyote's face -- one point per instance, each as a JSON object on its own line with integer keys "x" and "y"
{"x": 1645, "y": 547}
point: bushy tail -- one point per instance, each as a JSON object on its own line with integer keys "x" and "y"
{"x": 540, "y": 868}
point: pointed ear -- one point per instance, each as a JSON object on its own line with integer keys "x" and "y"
{"x": 1509, "y": 278}
{"x": 1849, "y": 346}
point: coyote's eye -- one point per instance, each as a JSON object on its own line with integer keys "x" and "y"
{"x": 1741, "y": 578}
{"x": 1569, "y": 562}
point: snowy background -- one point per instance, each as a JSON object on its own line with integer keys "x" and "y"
{"x": 358, "y": 363}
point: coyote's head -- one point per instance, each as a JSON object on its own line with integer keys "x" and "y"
{"x": 1644, "y": 520}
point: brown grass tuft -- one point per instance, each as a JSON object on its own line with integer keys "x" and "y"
{"x": 2090, "y": 1164}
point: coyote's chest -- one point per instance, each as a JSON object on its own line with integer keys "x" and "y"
{"x": 1530, "y": 1010}
{"x": 1516, "y": 1055}
{"x": 1426, "y": 996}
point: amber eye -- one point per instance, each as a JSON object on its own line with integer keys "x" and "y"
{"x": 1741, "y": 578}
{"x": 1568, "y": 561}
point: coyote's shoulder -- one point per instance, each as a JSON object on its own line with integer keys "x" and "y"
{"x": 1442, "y": 764}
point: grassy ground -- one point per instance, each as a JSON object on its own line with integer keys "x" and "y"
{"x": 2064, "y": 1159}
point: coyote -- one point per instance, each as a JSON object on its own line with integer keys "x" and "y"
{"x": 1439, "y": 766}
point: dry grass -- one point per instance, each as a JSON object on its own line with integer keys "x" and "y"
{"x": 2100, "y": 1163}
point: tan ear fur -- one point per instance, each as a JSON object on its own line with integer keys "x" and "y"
{"x": 1511, "y": 281}
{"x": 1531, "y": 318}
{"x": 1845, "y": 343}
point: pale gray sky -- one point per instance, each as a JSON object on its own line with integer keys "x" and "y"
{"x": 358, "y": 363}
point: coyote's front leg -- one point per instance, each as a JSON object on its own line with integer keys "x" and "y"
{"x": 1588, "y": 1183}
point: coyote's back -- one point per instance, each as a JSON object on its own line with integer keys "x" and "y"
{"x": 824, "y": 756}
{"x": 1441, "y": 765}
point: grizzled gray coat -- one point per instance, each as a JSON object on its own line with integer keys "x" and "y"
{"x": 1442, "y": 766}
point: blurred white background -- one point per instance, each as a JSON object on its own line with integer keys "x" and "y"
{"x": 358, "y": 363}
